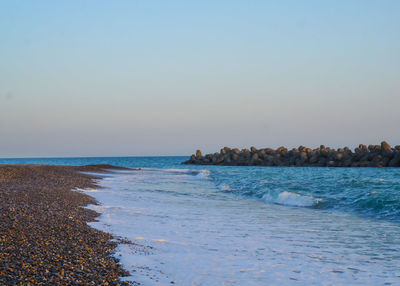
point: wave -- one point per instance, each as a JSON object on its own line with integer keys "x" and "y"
{"x": 203, "y": 173}
{"x": 358, "y": 191}
{"x": 196, "y": 173}
{"x": 225, "y": 188}
{"x": 291, "y": 199}
{"x": 188, "y": 172}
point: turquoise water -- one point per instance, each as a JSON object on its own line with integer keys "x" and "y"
{"x": 220, "y": 225}
{"x": 370, "y": 192}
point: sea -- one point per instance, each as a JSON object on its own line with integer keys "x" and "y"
{"x": 221, "y": 225}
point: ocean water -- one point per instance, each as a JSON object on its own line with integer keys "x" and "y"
{"x": 218, "y": 225}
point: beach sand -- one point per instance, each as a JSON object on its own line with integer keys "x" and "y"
{"x": 44, "y": 236}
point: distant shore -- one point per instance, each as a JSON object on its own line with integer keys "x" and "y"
{"x": 382, "y": 155}
{"x": 44, "y": 236}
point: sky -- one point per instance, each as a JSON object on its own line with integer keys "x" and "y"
{"x": 139, "y": 78}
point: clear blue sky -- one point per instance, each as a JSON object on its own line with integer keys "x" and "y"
{"x": 104, "y": 78}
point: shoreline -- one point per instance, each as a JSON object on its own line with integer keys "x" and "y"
{"x": 45, "y": 238}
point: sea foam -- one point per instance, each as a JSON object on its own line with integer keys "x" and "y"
{"x": 291, "y": 199}
{"x": 187, "y": 230}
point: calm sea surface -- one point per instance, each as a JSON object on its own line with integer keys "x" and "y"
{"x": 214, "y": 225}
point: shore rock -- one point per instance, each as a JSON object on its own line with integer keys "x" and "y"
{"x": 382, "y": 155}
{"x": 198, "y": 154}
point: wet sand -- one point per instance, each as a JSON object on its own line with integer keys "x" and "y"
{"x": 44, "y": 236}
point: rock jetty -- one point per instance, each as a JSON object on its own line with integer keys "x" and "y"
{"x": 382, "y": 155}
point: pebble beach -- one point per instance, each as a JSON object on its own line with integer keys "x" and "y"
{"x": 167, "y": 223}
{"x": 44, "y": 236}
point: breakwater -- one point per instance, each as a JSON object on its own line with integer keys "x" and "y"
{"x": 382, "y": 155}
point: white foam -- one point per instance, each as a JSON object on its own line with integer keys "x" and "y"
{"x": 189, "y": 232}
{"x": 291, "y": 199}
{"x": 173, "y": 172}
{"x": 86, "y": 190}
{"x": 225, "y": 188}
{"x": 203, "y": 174}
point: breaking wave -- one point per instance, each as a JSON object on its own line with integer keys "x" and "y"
{"x": 291, "y": 199}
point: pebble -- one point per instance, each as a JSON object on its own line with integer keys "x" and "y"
{"x": 44, "y": 236}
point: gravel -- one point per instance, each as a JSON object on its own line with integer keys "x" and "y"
{"x": 44, "y": 236}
